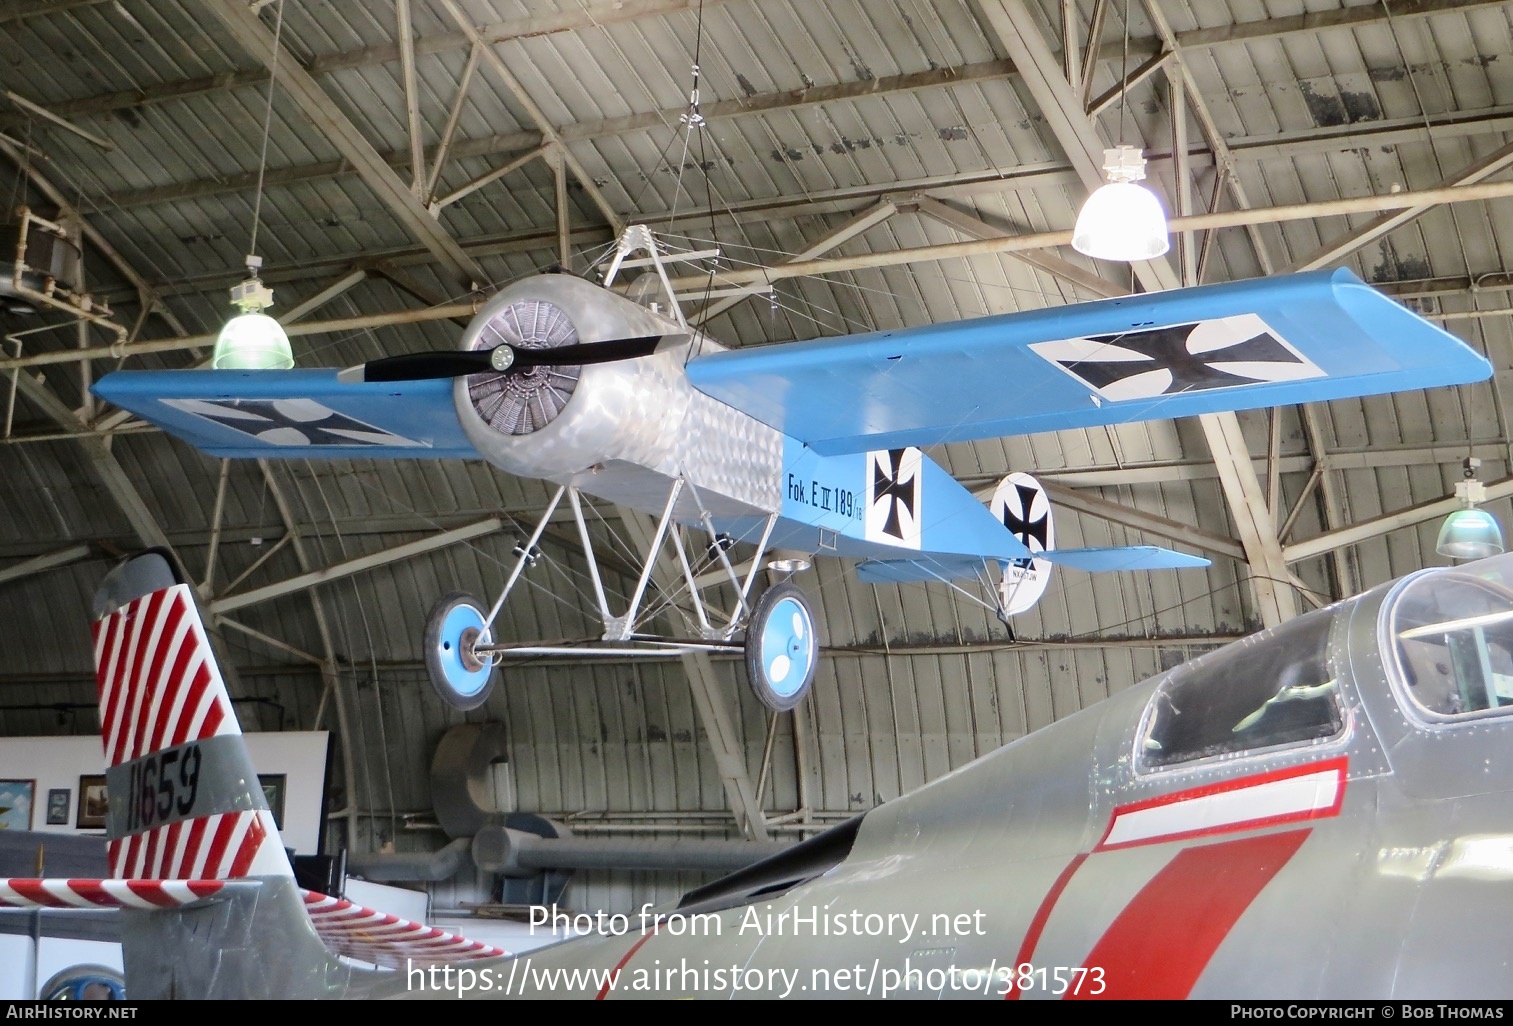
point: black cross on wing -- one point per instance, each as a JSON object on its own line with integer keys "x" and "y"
{"x": 1146, "y": 363}
{"x": 290, "y": 422}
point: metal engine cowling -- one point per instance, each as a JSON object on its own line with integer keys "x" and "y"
{"x": 554, "y": 422}
{"x": 521, "y": 403}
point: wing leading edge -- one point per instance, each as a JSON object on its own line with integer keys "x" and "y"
{"x": 1243, "y": 345}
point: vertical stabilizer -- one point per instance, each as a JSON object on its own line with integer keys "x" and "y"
{"x": 185, "y": 804}
{"x": 184, "y": 798}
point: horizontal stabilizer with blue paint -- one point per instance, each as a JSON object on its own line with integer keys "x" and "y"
{"x": 1123, "y": 557}
{"x": 1100, "y": 560}
{"x": 294, "y": 414}
{"x": 1244, "y": 345}
{"x": 925, "y": 568}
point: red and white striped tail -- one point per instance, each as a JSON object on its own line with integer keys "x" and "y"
{"x": 184, "y": 799}
{"x": 159, "y": 685}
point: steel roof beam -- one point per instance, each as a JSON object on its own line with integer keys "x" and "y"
{"x": 1374, "y": 229}
{"x": 1043, "y": 260}
{"x": 405, "y": 32}
{"x": 46, "y": 561}
{"x": 1015, "y": 27}
{"x": 304, "y": 581}
{"x": 873, "y": 215}
{"x": 19, "y": 10}
{"x": 1140, "y": 520}
{"x": 1378, "y": 526}
{"x": 835, "y": 265}
{"x": 617, "y": 11}
{"x": 253, "y": 36}
{"x": 538, "y": 117}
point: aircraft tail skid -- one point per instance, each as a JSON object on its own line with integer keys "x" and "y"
{"x": 199, "y": 867}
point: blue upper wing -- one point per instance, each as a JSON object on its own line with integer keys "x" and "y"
{"x": 1267, "y": 342}
{"x": 292, "y": 414}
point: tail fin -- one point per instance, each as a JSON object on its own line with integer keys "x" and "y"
{"x": 209, "y": 904}
{"x": 1022, "y": 506}
{"x": 185, "y": 804}
{"x": 184, "y": 798}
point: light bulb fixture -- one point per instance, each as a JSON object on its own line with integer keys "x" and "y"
{"x": 1469, "y": 532}
{"x": 1122, "y": 220}
{"x": 252, "y": 340}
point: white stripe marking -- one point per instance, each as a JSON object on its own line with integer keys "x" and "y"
{"x": 1292, "y": 796}
{"x": 135, "y": 734}
{"x": 163, "y": 687}
{"x": 133, "y": 630}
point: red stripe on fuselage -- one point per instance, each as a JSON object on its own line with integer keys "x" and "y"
{"x": 252, "y": 840}
{"x": 1163, "y": 940}
{"x": 1037, "y": 925}
{"x": 614, "y": 974}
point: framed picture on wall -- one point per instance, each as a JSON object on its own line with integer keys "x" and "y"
{"x": 93, "y": 803}
{"x": 273, "y": 794}
{"x": 16, "y": 800}
{"x": 58, "y": 801}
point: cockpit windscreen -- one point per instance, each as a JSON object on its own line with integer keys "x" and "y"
{"x": 1276, "y": 688}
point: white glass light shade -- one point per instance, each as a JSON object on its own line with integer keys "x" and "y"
{"x": 1121, "y": 221}
{"x": 252, "y": 341}
{"x": 1469, "y": 534}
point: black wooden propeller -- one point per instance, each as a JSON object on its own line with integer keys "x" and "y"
{"x": 501, "y": 359}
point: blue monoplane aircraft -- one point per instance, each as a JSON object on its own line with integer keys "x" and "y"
{"x": 809, "y": 446}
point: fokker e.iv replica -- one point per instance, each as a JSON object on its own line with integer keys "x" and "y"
{"x": 809, "y": 446}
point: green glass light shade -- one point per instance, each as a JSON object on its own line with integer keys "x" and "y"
{"x": 252, "y": 341}
{"x": 1469, "y": 534}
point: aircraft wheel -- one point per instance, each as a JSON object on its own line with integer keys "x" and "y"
{"x": 84, "y": 983}
{"x": 782, "y": 649}
{"x": 462, "y": 679}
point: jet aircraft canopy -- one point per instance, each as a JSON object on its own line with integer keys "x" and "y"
{"x": 1446, "y": 635}
{"x": 1451, "y": 635}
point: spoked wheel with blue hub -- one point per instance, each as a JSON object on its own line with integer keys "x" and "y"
{"x": 782, "y": 649}
{"x": 460, "y": 675}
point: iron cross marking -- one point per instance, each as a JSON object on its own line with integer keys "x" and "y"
{"x": 1023, "y": 528}
{"x": 1166, "y": 349}
{"x": 886, "y": 487}
{"x": 258, "y": 417}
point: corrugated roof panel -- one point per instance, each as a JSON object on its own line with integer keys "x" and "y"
{"x": 620, "y": 737}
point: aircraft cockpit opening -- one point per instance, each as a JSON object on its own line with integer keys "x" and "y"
{"x": 1452, "y": 640}
{"x": 1277, "y": 688}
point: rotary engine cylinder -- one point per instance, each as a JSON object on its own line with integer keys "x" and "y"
{"x": 554, "y": 422}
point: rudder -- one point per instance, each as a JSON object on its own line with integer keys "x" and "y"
{"x": 185, "y": 804}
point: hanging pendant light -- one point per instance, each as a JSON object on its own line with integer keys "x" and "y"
{"x": 252, "y": 340}
{"x": 1122, "y": 220}
{"x": 1471, "y": 532}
